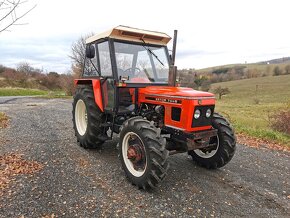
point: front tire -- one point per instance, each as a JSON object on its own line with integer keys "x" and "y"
{"x": 87, "y": 118}
{"x": 142, "y": 153}
{"x": 223, "y": 149}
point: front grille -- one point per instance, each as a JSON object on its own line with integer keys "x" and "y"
{"x": 202, "y": 120}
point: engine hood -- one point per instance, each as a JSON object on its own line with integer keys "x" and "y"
{"x": 174, "y": 92}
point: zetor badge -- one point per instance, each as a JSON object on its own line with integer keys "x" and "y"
{"x": 128, "y": 87}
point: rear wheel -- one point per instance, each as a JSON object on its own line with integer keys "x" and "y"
{"x": 222, "y": 147}
{"x": 87, "y": 118}
{"x": 142, "y": 153}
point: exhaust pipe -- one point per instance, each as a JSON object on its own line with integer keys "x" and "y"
{"x": 174, "y": 47}
{"x": 173, "y": 69}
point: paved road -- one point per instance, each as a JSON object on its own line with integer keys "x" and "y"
{"x": 75, "y": 182}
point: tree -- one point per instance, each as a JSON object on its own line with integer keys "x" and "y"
{"x": 221, "y": 91}
{"x": 205, "y": 86}
{"x": 2, "y": 68}
{"x": 78, "y": 54}
{"x": 277, "y": 71}
{"x": 10, "y": 14}
{"x": 24, "y": 67}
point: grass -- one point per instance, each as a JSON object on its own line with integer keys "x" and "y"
{"x": 21, "y": 92}
{"x": 3, "y": 120}
{"x": 32, "y": 92}
{"x": 252, "y": 101}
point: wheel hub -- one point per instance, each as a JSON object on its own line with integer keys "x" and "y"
{"x": 135, "y": 153}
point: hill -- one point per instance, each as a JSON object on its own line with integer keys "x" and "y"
{"x": 251, "y": 103}
{"x": 263, "y": 66}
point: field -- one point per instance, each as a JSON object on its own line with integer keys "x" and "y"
{"x": 252, "y": 101}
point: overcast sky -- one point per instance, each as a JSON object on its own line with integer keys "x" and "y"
{"x": 210, "y": 33}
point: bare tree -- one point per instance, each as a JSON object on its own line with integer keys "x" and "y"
{"x": 78, "y": 53}
{"x": 10, "y": 15}
{"x": 221, "y": 91}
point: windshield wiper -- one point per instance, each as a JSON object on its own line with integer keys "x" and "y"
{"x": 151, "y": 52}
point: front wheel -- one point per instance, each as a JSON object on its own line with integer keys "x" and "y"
{"x": 142, "y": 153}
{"x": 222, "y": 147}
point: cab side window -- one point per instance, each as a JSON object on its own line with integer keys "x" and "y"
{"x": 105, "y": 59}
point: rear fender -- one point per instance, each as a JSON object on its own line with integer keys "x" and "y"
{"x": 96, "y": 83}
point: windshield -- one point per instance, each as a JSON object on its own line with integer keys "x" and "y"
{"x": 142, "y": 63}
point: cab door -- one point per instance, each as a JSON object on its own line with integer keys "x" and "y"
{"x": 107, "y": 79}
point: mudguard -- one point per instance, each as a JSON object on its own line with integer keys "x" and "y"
{"x": 96, "y": 83}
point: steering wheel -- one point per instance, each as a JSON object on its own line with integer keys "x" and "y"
{"x": 132, "y": 71}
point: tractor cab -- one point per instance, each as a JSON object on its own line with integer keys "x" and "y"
{"x": 126, "y": 58}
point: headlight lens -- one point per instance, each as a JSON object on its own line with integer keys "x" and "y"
{"x": 208, "y": 113}
{"x": 196, "y": 114}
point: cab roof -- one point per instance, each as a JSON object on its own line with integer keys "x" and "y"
{"x": 132, "y": 34}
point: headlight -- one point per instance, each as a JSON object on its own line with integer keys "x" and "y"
{"x": 196, "y": 114}
{"x": 208, "y": 113}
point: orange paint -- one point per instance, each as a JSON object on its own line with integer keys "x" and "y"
{"x": 184, "y": 98}
{"x": 96, "y": 88}
{"x": 180, "y": 97}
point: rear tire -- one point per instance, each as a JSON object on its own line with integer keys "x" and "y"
{"x": 141, "y": 137}
{"x": 224, "y": 149}
{"x": 87, "y": 118}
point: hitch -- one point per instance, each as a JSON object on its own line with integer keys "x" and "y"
{"x": 200, "y": 139}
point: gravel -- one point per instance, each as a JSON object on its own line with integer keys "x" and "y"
{"x": 75, "y": 182}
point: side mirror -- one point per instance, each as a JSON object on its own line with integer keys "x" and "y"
{"x": 90, "y": 51}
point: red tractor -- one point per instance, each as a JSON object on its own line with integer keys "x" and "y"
{"x": 128, "y": 88}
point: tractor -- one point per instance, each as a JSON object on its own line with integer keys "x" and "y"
{"x": 128, "y": 87}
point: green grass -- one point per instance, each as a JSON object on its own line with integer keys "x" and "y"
{"x": 21, "y": 92}
{"x": 32, "y": 92}
{"x": 252, "y": 101}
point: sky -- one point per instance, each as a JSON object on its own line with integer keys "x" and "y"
{"x": 210, "y": 32}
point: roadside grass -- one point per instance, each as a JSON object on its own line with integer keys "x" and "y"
{"x": 8, "y": 91}
{"x": 3, "y": 120}
{"x": 21, "y": 92}
{"x": 251, "y": 103}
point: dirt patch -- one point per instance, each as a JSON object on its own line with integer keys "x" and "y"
{"x": 260, "y": 143}
{"x": 4, "y": 120}
{"x": 12, "y": 165}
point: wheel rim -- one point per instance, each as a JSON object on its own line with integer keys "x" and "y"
{"x": 211, "y": 151}
{"x": 134, "y": 154}
{"x": 81, "y": 117}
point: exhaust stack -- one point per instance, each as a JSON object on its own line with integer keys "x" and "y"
{"x": 173, "y": 69}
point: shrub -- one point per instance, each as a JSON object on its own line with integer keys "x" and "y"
{"x": 277, "y": 71}
{"x": 287, "y": 69}
{"x": 281, "y": 121}
{"x": 256, "y": 101}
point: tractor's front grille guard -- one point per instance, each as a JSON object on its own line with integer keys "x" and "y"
{"x": 202, "y": 120}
